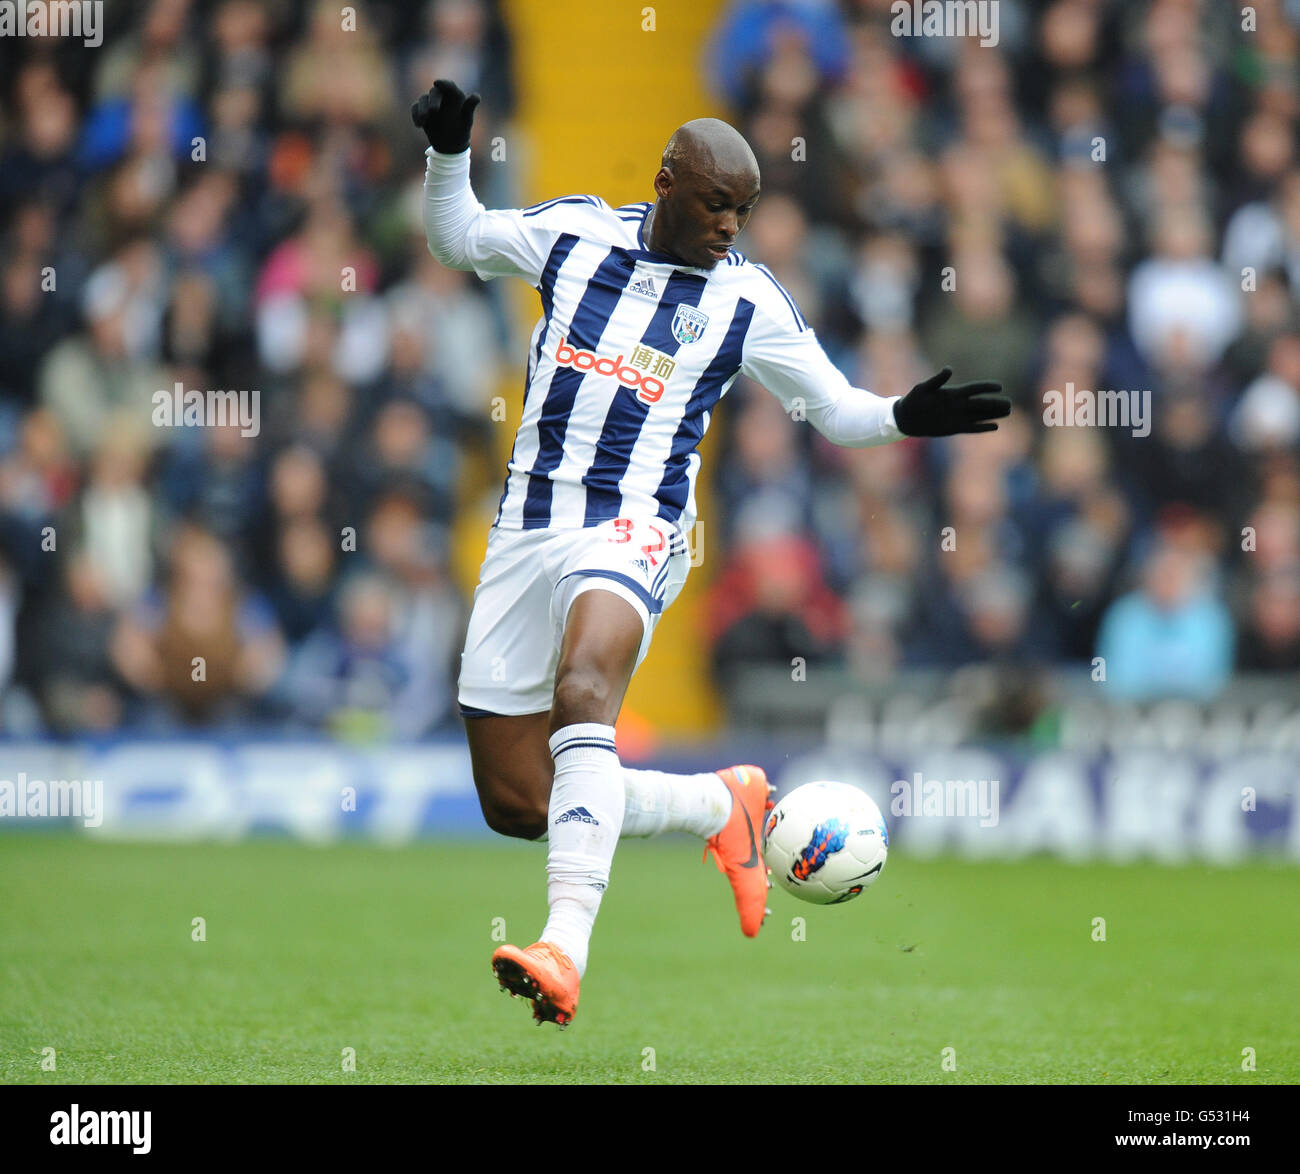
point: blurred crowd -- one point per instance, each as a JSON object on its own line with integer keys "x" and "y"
{"x": 227, "y": 195}
{"x": 1108, "y": 199}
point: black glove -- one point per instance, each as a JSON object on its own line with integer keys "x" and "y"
{"x": 445, "y": 115}
{"x": 930, "y": 409}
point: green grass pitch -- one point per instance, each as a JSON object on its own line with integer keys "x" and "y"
{"x": 312, "y": 950}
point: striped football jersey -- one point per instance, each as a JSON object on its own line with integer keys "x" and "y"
{"x": 627, "y": 363}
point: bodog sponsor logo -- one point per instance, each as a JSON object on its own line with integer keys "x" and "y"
{"x": 648, "y": 389}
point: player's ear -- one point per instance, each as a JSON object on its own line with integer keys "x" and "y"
{"x": 663, "y": 182}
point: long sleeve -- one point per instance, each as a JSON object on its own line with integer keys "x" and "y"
{"x": 462, "y": 234}
{"x": 789, "y": 361}
{"x": 450, "y": 208}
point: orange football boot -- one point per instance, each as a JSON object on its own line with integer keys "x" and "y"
{"x": 738, "y": 849}
{"x": 541, "y": 972}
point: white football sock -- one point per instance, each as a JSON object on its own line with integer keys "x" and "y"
{"x": 658, "y": 802}
{"x": 583, "y": 824}
{"x": 655, "y": 802}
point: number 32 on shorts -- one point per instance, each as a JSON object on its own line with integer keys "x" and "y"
{"x": 641, "y": 550}
{"x": 653, "y": 541}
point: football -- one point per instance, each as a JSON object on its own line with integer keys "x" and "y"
{"x": 825, "y": 842}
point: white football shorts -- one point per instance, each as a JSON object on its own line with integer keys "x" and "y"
{"x": 527, "y": 584}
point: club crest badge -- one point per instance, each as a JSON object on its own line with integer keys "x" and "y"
{"x": 688, "y": 324}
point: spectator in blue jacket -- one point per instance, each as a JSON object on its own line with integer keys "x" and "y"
{"x": 1171, "y": 638}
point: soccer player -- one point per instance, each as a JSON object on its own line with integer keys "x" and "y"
{"x": 648, "y": 315}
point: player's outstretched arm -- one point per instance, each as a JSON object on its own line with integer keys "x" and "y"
{"x": 783, "y": 354}
{"x": 450, "y": 209}
{"x": 931, "y": 409}
{"x": 460, "y": 232}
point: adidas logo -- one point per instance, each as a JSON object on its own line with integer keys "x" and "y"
{"x": 581, "y": 814}
{"x": 645, "y": 287}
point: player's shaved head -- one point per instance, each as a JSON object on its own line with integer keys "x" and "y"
{"x": 707, "y": 185}
{"x": 708, "y": 147}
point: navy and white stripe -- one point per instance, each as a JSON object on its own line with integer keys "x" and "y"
{"x": 538, "y": 209}
{"x": 677, "y": 487}
{"x": 589, "y": 448}
{"x": 653, "y": 599}
{"x": 627, "y": 414}
{"x": 789, "y": 301}
{"x": 603, "y": 291}
{"x": 546, "y": 288}
{"x": 582, "y": 741}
